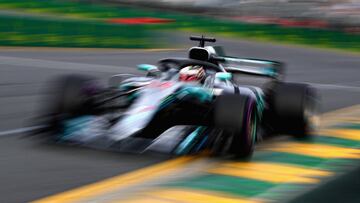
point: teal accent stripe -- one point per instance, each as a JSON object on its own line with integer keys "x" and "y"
{"x": 186, "y": 145}
{"x": 168, "y": 100}
{"x": 74, "y": 125}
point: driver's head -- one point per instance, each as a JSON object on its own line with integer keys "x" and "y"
{"x": 192, "y": 73}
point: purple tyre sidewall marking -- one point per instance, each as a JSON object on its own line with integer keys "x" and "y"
{"x": 90, "y": 88}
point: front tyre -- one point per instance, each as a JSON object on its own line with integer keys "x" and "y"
{"x": 236, "y": 114}
{"x": 70, "y": 98}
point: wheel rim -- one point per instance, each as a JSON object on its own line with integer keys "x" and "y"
{"x": 311, "y": 117}
{"x": 252, "y": 129}
{"x": 252, "y": 126}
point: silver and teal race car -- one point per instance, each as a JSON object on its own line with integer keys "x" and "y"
{"x": 161, "y": 113}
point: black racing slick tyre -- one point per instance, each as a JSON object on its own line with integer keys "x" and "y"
{"x": 236, "y": 114}
{"x": 293, "y": 109}
{"x": 71, "y": 97}
{"x": 73, "y": 93}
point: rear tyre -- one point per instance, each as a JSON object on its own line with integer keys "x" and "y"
{"x": 293, "y": 109}
{"x": 236, "y": 114}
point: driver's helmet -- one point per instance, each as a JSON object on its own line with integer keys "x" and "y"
{"x": 192, "y": 73}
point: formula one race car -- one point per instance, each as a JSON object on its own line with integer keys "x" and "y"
{"x": 192, "y": 100}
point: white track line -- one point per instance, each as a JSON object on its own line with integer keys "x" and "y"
{"x": 335, "y": 86}
{"x": 50, "y": 64}
{"x": 19, "y": 130}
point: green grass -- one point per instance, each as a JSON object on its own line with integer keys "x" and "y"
{"x": 23, "y": 31}
{"x": 94, "y": 16}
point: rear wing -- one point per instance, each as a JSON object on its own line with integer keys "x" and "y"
{"x": 258, "y": 67}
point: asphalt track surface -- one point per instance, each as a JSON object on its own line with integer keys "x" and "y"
{"x": 30, "y": 170}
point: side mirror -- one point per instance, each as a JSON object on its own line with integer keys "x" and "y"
{"x": 223, "y": 76}
{"x": 152, "y": 71}
{"x": 147, "y": 67}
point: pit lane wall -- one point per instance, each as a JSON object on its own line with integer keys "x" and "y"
{"x": 63, "y": 23}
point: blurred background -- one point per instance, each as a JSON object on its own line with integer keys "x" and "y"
{"x": 146, "y": 23}
{"x": 318, "y": 40}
